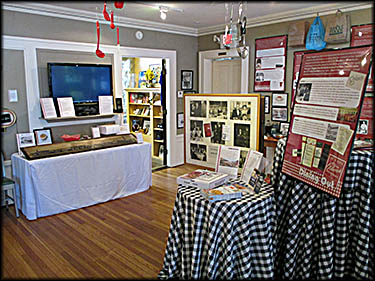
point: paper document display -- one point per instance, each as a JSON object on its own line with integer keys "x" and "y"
{"x": 228, "y": 160}
{"x": 48, "y": 108}
{"x": 105, "y": 105}
{"x": 203, "y": 179}
{"x": 225, "y": 192}
{"x": 253, "y": 161}
{"x": 66, "y": 107}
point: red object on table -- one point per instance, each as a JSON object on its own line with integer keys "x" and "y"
{"x": 70, "y": 137}
{"x": 99, "y": 53}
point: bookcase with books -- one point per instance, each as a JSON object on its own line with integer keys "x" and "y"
{"x": 145, "y": 115}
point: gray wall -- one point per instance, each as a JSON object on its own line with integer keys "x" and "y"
{"x": 45, "y": 27}
{"x": 205, "y": 43}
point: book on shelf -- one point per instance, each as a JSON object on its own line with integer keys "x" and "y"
{"x": 225, "y": 192}
{"x": 203, "y": 179}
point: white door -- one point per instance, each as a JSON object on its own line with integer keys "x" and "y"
{"x": 226, "y": 76}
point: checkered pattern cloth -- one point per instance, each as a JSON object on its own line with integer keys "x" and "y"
{"x": 319, "y": 236}
{"x": 220, "y": 240}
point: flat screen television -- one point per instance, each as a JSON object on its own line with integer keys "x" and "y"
{"x": 83, "y": 82}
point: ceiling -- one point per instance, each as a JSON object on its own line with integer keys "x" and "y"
{"x": 190, "y": 18}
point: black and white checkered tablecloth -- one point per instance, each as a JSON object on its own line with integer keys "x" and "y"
{"x": 319, "y": 236}
{"x": 220, "y": 240}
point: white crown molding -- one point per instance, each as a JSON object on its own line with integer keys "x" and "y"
{"x": 293, "y": 15}
{"x": 74, "y": 14}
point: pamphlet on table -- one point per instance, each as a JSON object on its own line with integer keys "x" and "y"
{"x": 203, "y": 179}
{"x": 224, "y": 192}
{"x": 228, "y": 160}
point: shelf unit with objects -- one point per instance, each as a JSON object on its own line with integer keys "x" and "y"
{"x": 145, "y": 115}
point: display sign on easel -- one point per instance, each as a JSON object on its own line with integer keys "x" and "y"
{"x": 270, "y": 62}
{"x": 328, "y": 100}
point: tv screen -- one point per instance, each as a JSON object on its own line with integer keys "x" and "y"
{"x": 83, "y": 82}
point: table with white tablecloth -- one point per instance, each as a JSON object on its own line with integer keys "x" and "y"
{"x": 59, "y": 184}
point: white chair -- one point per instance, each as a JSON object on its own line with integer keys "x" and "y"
{"x": 8, "y": 186}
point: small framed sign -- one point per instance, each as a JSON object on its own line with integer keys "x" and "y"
{"x": 180, "y": 120}
{"x": 279, "y": 99}
{"x": 24, "y": 140}
{"x": 266, "y": 104}
{"x": 43, "y": 136}
{"x": 279, "y": 114}
{"x": 186, "y": 79}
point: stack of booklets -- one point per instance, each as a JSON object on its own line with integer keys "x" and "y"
{"x": 203, "y": 179}
{"x": 224, "y": 192}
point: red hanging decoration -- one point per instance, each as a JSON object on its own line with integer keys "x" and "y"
{"x": 119, "y": 4}
{"x": 118, "y": 36}
{"x": 99, "y": 53}
{"x": 105, "y": 13}
{"x": 112, "y": 24}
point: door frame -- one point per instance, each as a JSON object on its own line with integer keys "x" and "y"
{"x": 205, "y": 68}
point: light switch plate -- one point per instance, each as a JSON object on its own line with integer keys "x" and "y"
{"x": 13, "y": 95}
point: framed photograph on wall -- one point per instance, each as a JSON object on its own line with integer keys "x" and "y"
{"x": 279, "y": 114}
{"x": 266, "y": 104}
{"x": 279, "y": 99}
{"x": 186, "y": 79}
{"x": 180, "y": 120}
{"x": 284, "y": 128}
{"x": 43, "y": 136}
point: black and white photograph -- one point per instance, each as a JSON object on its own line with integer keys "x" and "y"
{"x": 279, "y": 99}
{"x": 186, "y": 79}
{"x": 303, "y": 92}
{"x": 217, "y": 132}
{"x": 198, "y": 109}
{"x": 279, "y": 114}
{"x": 198, "y": 152}
{"x": 243, "y": 155}
{"x": 284, "y": 128}
{"x": 362, "y": 127}
{"x": 242, "y": 135}
{"x": 25, "y": 140}
{"x": 196, "y": 130}
{"x": 240, "y": 110}
{"x": 43, "y": 136}
{"x": 218, "y": 109}
{"x": 332, "y": 130}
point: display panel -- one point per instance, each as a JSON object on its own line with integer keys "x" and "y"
{"x": 212, "y": 120}
{"x": 327, "y": 104}
{"x": 83, "y": 82}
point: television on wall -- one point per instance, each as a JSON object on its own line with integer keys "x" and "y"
{"x": 83, "y": 82}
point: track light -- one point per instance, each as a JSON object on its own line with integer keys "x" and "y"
{"x": 163, "y": 12}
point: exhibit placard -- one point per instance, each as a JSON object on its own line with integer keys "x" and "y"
{"x": 212, "y": 120}
{"x": 270, "y": 62}
{"x": 326, "y": 110}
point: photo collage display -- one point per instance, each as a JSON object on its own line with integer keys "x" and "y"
{"x": 214, "y": 120}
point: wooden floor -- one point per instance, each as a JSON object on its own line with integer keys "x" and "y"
{"x": 124, "y": 238}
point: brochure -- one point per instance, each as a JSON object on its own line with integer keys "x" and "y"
{"x": 203, "y": 179}
{"x": 228, "y": 160}
{"x": 253, "y": 161}
{"x": 225, "y": 192}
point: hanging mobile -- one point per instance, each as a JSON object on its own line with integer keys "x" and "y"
{"x": 99, "y": 53}
{"x": 112, "y": 24}
{"x": 105, "y": 13}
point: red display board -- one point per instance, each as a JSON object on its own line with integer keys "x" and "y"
{"x": 270, "y": 62}
{"x": 328, "y": 99}
{"x": 363, "y": 35}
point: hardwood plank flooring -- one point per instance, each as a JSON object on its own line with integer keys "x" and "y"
{"x": 124, "y": 238}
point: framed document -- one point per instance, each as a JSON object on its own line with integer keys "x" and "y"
{"x": 24, "y": 140}
{"x": 279, "y": 99}
{"x": 186, "y": 79}
{"x": 43, "y": 136}
{"x": 266, "y": 104}
{"x": 279, "y": 114}
{"x": 180, "y": 120}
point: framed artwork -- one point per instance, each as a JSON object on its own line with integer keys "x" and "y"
{"x": 284, "y": 128}
{"x": 279, "y": 99}
{"x": 180, "y": 120}
{"x": 279, "y": 114}
{"x": 186, "y": 79}
{"x": 24, "y": 140}
{"x": 219, "y": 119}
{"x": 266, "y": 104}
{"x": 43, "y": 136}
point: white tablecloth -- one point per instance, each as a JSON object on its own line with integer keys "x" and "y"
{"x": 59, "y": 184}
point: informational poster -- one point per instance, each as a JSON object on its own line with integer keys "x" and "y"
{"x": 270, "y": 62}
{"x": 328, "y": 99}
{"x": 296, "y": 66}
{"x": 363, "y": 35}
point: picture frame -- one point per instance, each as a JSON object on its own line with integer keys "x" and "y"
{"x": 279, "y": 99}
{"x": 43, "y": 136}
{"x": 284, "y": 128}
{"x": 266, "y": 104}
{"x": 180, "y": 120}
{"x": 279, "y": 114}
{"x": 187, "y": 79}
{"x": 24, "y": 140}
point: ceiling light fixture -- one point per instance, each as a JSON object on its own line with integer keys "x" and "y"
{"x": 163, "y": 12}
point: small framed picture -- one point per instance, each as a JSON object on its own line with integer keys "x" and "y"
{"x": 161, "y": 150}
{"x": 279, "y": 99}
{"x": 24, "y": 140}
{"x": 284, "y": 128}
{"x": 266, "y": 104}
{"x": 43, "y": 136}
{"x": 180, "y": 120}
{"x": 186, "y": 79}
{"x": 279, "y": 114}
